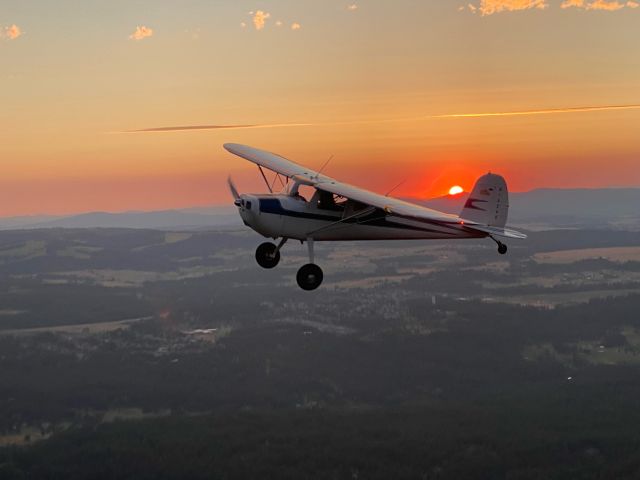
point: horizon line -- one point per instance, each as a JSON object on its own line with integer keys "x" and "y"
{"x": 230, "y": 205}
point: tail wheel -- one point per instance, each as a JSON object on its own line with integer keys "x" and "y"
{"x": 309, "y": 276}
{"x": 267, "y": 255}
{"x": 502, "y": 248}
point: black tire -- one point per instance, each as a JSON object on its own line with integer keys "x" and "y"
{"x": 309, "y": 276}
{"x": 502, "y": 248}
{"x": 265, "y": 255}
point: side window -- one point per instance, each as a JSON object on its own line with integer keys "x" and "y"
{"x": 248, "y": 205}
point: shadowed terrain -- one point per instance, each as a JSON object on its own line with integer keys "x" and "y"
{"x": 165, "y": 354}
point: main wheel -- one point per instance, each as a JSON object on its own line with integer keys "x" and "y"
{"x": 309, "y": 276}
{"x": 267, "y": 256}
{"x": 502, "y": 248}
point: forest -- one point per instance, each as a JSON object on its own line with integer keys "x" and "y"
{"x": 452, "y": 370}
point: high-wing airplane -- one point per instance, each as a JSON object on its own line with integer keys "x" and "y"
{"x": 339, "y": 211}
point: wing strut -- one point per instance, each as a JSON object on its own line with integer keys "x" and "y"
{"x": 265, "y": 179}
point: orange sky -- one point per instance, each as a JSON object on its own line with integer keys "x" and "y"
{"x": 377, "y": 81}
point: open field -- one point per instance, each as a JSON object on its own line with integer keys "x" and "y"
{"x": 625, "y": 351}
{"x": 615, "y": 254}
{"x": 84, "y": 328}
{"x": 552, "y": 299}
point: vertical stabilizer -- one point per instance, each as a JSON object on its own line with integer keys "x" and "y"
{"x": 488, "y": 202}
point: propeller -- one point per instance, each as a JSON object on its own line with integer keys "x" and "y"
{"x": 233, "y": 189}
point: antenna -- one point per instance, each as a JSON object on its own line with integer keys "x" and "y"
{"x": 389, "y": 192}
{"x": 324, "y": 165}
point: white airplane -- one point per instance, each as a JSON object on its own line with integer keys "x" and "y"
{"x": 339, "y": 211}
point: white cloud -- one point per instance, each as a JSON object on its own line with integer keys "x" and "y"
{"x": 353, "y": 7}
{"x": 489, "y": 7}
{"x": 607, "y": 5}
{"x": 296, "y": 26}
{"x": 11, "y": 32}
{"x": 260, "y": 18}
{"x": 572, "y": 3}
{"x": 604, "y": 5}
{"x": 141, "y": 33}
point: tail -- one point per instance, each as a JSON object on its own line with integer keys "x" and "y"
{"x": 488, "y": 203}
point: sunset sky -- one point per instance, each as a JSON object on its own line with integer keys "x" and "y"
{"x": 384, "y": 86}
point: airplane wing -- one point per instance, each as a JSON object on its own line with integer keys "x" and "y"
{"x": 276, "y": 163}
{"x": 307, "y": 176}
{"x": 396, "y": 207}
{"x": 391, "y": 206}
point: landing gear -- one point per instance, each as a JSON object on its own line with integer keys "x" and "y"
{"x": 309, "y": 276}
{"x": 267, "y": 255}
{"x": 502, "y": 248}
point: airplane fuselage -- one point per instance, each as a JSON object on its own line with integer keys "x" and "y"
{"x": 277, "y": 216}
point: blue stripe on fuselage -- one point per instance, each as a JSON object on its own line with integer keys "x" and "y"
{"x": 274, "y": 206}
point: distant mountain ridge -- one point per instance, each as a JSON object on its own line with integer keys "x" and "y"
{"x": 606, "y": 207}
{"x": 560, "y": 208}
{"x": 188, "y": 219}
{"x": 552, "y": 203}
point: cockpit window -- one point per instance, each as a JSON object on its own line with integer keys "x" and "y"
{"x": 327, "y": 201}
{"x": 248, "y": 205}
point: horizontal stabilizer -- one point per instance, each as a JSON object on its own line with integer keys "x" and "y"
{"x": 496, "y": 231}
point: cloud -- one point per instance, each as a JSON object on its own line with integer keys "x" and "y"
{"x": 279, "y": 23}
{"x": 353, "y": 7}
{"x": 141, "y": 33}
{"x": 572, "y": 3}
{"x": 489, "y": 7}
{"x": 607, "y": 5}
{"x": 296, "y": 26}
{"x": 470, "y": 6}
{"x": 260, "y": 18}
{"x": 11, "y": 32}
{"x": 243, "y": 24}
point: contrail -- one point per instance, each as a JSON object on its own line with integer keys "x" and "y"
{"x": 216, "y": 127}
{"x": 539, "y": 112}
{"x": 549, "y": 111}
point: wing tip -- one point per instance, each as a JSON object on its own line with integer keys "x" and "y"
{"x": 230, "y": 147}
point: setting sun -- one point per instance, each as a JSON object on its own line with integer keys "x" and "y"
{"x": 455, "y": 190}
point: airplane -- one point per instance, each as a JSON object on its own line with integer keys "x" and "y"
{"x": 339, "y": 211}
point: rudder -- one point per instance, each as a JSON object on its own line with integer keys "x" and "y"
{"x": 488, "y": 202}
